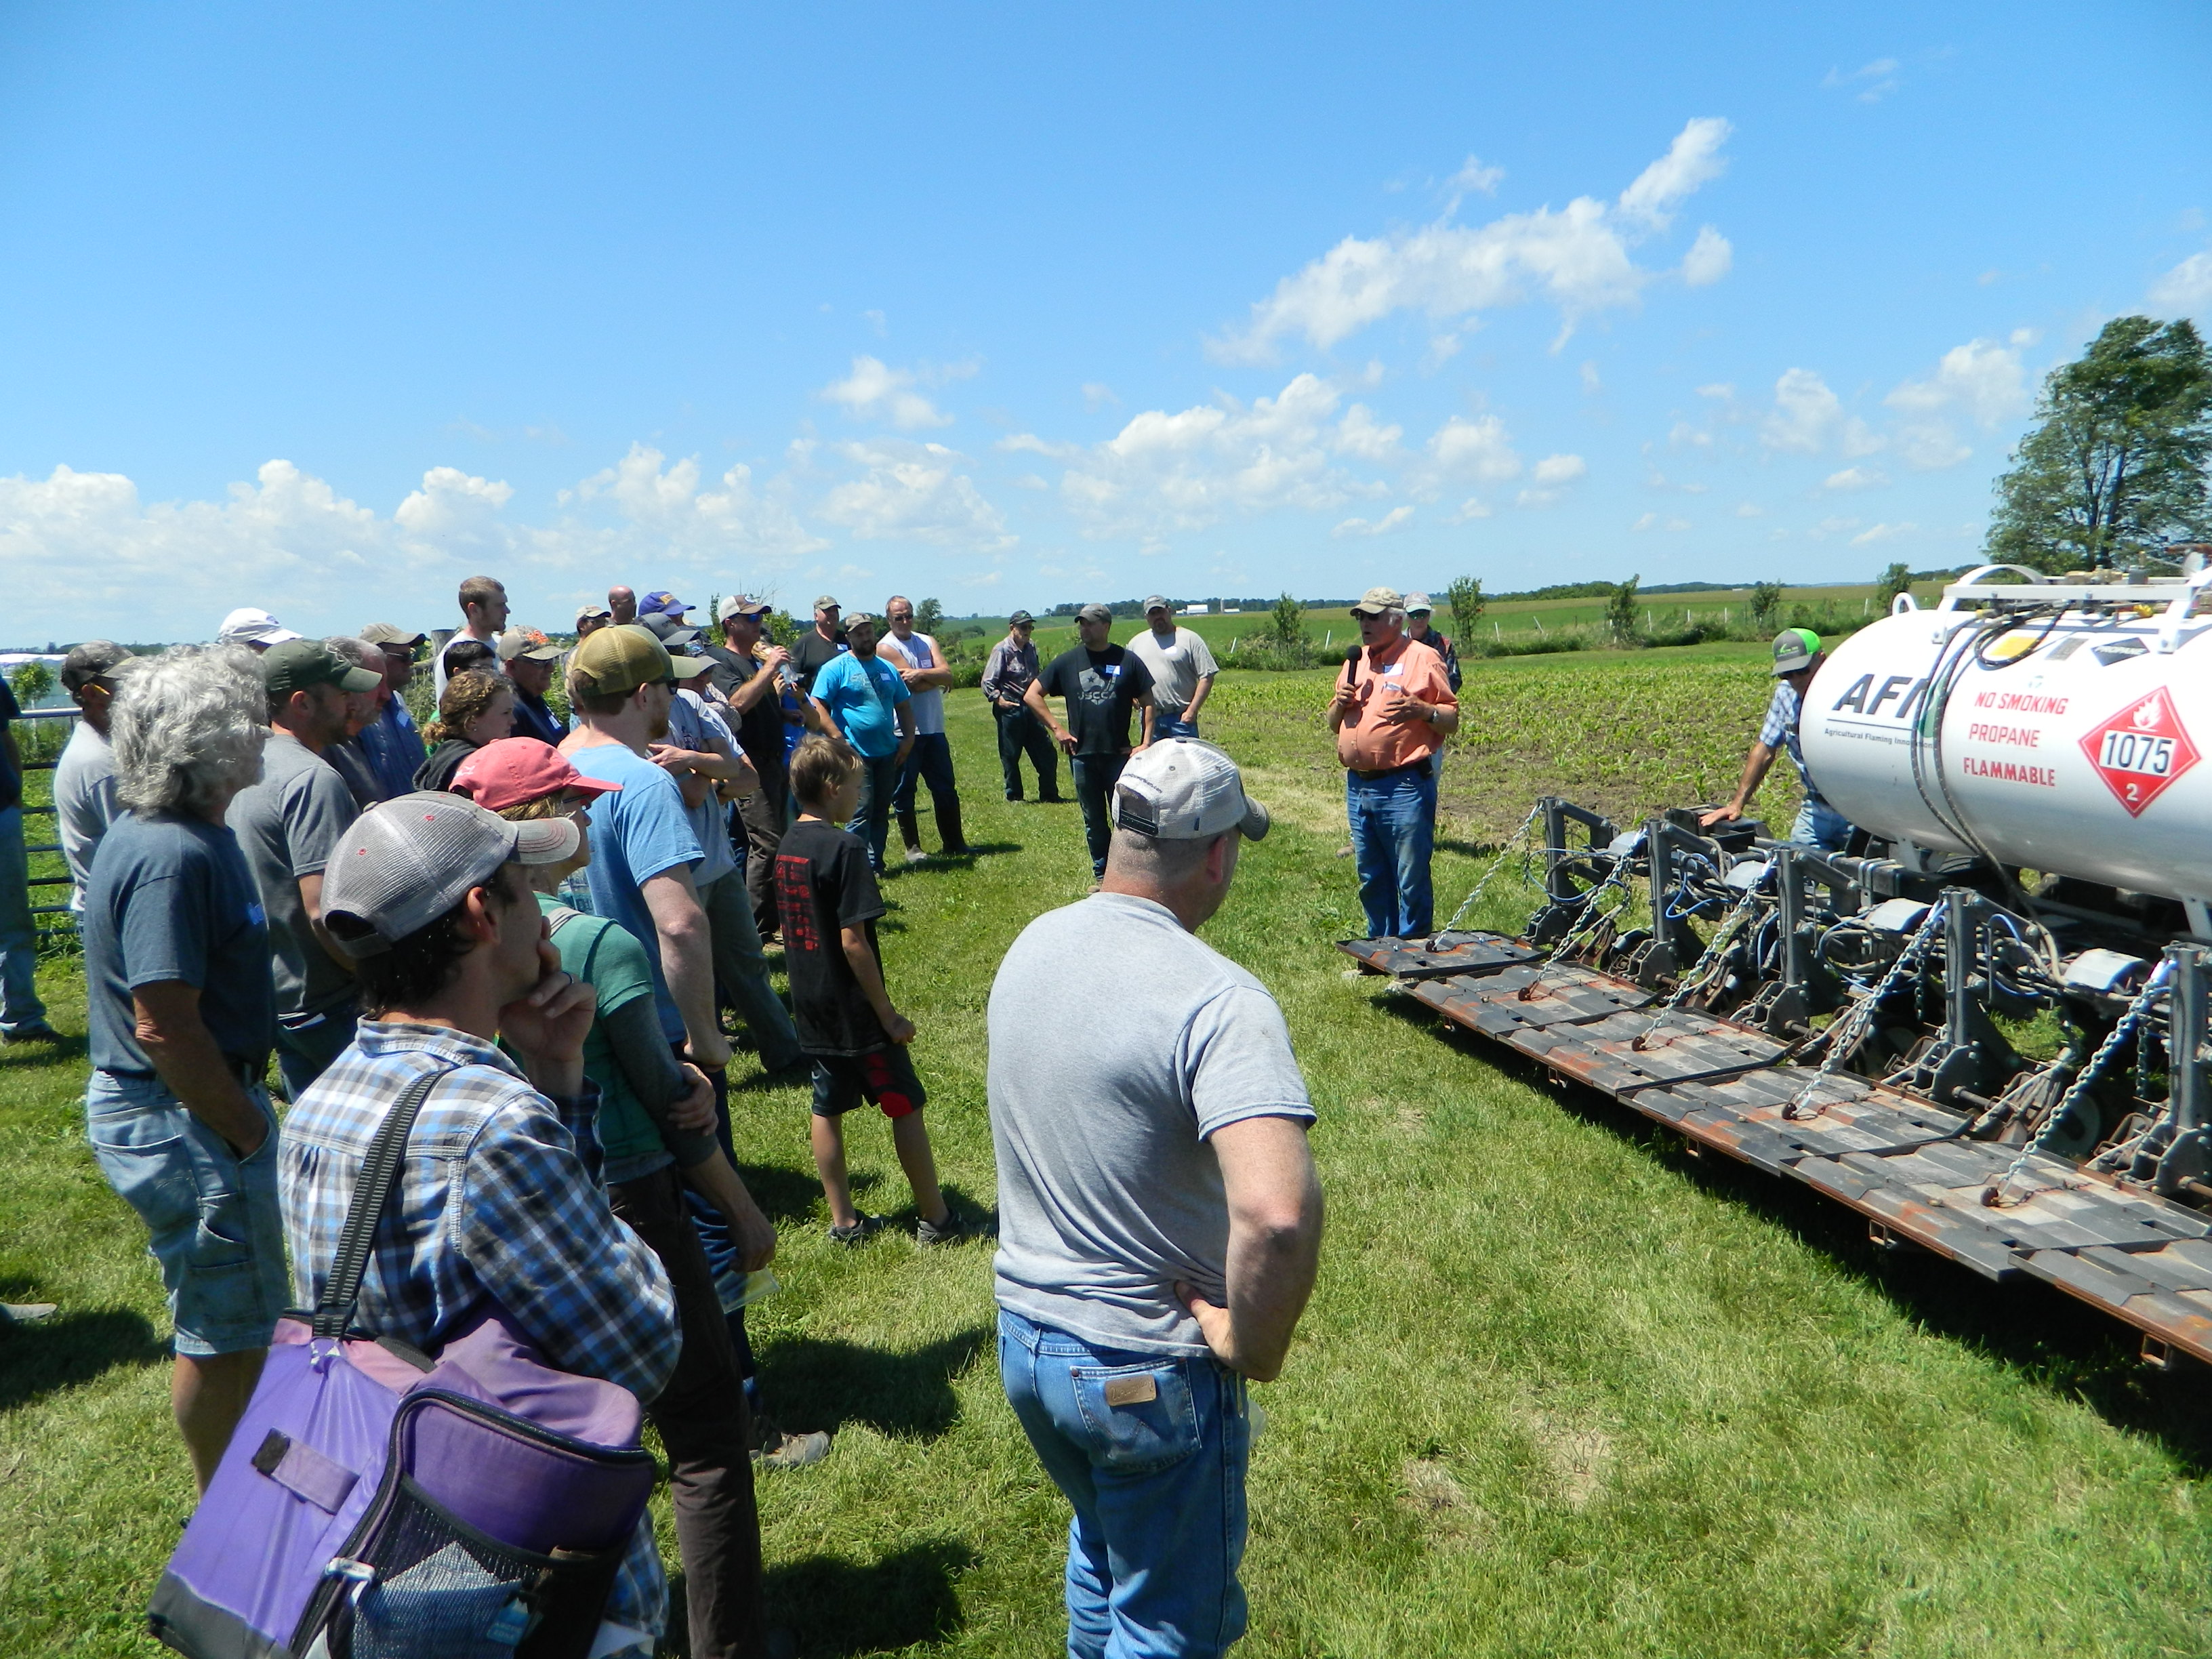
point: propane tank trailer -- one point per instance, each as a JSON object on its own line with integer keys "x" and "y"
{"x": 1984, "y": 1025}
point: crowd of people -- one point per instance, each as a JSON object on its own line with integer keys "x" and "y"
{"x": 559, "y": 911}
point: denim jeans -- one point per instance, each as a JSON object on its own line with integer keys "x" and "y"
{"x": 930, "y": 762}
{"x": 1158, "y": 1486}
{"x": 1022, "y": 732}
{"x": 1095, "y": 778}
{"x": 871, "y": 819}
{"x": 1394, "y": 828}
{"x": 304, "y": 1051}
{"x": 1165, "y": 727}
{"x": 20, "y": 1006}
{"x": 1819, "y": 824}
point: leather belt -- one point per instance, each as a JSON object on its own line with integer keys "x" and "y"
{"x": 1420, "y": 767}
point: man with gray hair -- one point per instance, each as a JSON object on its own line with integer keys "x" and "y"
{"x": 180, "y": 1006}
{"x": 1159, "y": 1218}
{"x": 350, "y": 755}
{"x": 84, "y": 777}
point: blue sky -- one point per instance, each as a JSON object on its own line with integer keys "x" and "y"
{"x": 322, "y": 308}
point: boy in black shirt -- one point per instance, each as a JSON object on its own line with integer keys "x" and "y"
{"x": 847, "y": 1025}
{"x": 1101, "y": 684}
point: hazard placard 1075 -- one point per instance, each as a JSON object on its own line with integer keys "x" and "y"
{"x": 2140, "y": 751}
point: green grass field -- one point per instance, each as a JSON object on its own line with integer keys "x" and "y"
{"x": 1563, "y": 1389}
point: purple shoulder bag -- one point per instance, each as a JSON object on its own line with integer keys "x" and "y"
{"x": 376, "y": 1501}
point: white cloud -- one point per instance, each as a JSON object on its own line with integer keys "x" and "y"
{"x": 1030, "y": 443}
{"x": 1472, "y": 508}
{"x": 876, "y": 392}
{"x": 1579, "y": 257}
{"x": 1395, "y": 519}
{"x": 1833, "y": 526}
{"x": 1749, "y": 510}
{"x": 451, "y": 502}
{"x": 1472, "y": 179}
{"x": 1653, "y": 521}
{"x": 2187, "y": 289}
{"x": 1360, "y": 434}
{"x": 1981, "y": 378}
{"x": 1882, "y": 532}
{"x": 1856, "y": 477}
{"x": 1871, "y": 83}
{"x": 911, "y": 491}
{"x": 1720, "y": 389}
{"x": 1807, "y": 418}
{"x": 1559, "y": 470}
{"x": 1481, "y": 448}
{"x": 1096, "y": 394}
{"x": 1591, "y": 382}
{"x": 1709, "y": 258}
{"x": 1184, "y": 470}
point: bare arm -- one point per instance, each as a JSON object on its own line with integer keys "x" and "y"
{"x": 824, "y": 722}
{"x": 1274, "y": 1244}
{"x": 687, "y": 961}
{"x": 764, "y": 679}
{"x": 1198, "y": 697}
{"x": 1033, "y": 699}
{"x": 935, "y": 678}
{"x": 1755, "y": 767}
{"x": 862, "y": 960}
{"x": 311, "y": 900}
{"x": 167, "y": 1024}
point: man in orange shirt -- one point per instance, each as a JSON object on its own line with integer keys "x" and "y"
{"x": 1392, "y": 709}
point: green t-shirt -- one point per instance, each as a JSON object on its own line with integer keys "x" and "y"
{"x": 607, "y": 957}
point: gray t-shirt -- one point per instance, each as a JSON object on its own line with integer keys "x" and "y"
{"x": 1101, "y": 1105}
{"x": 286, "y": 825}
{"x": 1177, "y": 668}
{"x": 692, "y": 725}
{"x": 84, "y": 803}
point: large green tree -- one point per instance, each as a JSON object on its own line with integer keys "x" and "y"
{"x": 2116, "y": 464}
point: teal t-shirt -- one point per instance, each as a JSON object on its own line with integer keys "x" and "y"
{"x": 607, "y": 957}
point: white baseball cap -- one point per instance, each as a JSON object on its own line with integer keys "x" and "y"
{"x": 249, "y": 626}
{"x": 1185, "y": 789}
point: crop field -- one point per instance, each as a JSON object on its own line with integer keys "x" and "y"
{"x": 1564, "y": 1389}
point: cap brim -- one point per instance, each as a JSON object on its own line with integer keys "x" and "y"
{"x": 691, "y": 668}
{"x": 1255, "y": 821}
{"x": 274, "y": 636}
{"x": 1370, "y": 610}
{"x": 591, "y": 786}
{"x": 542, "y": 654}
{"x": 358, "y": 679}
{"x": 546, "y": 840}
{"x": 1792, "y": 665}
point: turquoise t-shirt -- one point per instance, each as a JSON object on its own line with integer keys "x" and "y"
{"x": 607, "y": 957}
{"x": 860, "y": 692}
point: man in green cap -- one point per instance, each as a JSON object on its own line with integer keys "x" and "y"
{"x": 286, "y": 825}
{"x": 1797, "y": 658}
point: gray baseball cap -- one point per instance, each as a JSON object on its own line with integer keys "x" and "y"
{"x": 87, "y": 662}
{"x": 1094, "y": 613}
{"x": 406, "y": 862}
{"x": 1156, "y": 603}
{"x": 1185, "y": 789}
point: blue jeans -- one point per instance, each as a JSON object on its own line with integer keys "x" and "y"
{"x": 304, "y": 1052}
{"x": 930, "y": 762}
{"x": 1163, "y": 728}
{"x": 1819, "y": 824}
{"x": 1394, "y": 829}
{"x": 871, "y": 819}
{"x": 212, "y": 1222}
{"x": 20, "y": 1006}
{"x": 1158, "y": 1486}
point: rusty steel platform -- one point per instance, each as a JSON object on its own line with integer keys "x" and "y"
{"x": 1896, "y": 1159}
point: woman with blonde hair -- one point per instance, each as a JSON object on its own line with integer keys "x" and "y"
{"x": 475, "y": 709}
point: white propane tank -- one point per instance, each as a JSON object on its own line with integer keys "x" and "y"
{"x": 2080, "y": 746}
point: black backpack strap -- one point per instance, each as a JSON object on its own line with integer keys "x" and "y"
{"x": 371, "y": 1191}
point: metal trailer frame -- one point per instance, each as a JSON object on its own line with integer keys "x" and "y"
{"x": 1894, "y": 1149}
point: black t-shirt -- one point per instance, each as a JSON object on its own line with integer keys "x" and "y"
{"x": 812, "y": 652}
{"x": 823, "y": 885}
{"x": 1101, "y": 687}
{"x": 760, "y": 729}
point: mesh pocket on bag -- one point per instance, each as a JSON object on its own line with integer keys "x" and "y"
{"x": 442, "y": 1590}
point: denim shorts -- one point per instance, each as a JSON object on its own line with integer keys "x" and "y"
{"x": 215, "y": 1224}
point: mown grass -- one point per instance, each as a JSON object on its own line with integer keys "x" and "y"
{"x": 1563, "y": 1389}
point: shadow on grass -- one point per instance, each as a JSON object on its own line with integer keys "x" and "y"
{"x": 836, "y": 1607}
{"x": 69, "y": 1348}
{"x": 31, "y": 1054}
{"x": 787, "y": 1194}
{"x": 819, "y": 1384}
{"x": 2050, "y": 1338}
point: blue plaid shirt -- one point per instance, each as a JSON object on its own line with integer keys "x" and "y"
{"x": 500, "y": 1197}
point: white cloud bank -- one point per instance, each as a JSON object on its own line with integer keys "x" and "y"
{"x": 1579, "y": 257}
{"x": 2186, "y": 290}
{"x": 875, "y": 391}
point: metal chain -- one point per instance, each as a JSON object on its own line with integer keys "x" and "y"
{"x": 1861, "y": 1014}
{"x": 1689, "y": 981}
{"x": 1497, "y": 864}
{"x": 2137, "y": 1011}
{"x": 1617, "y": 877}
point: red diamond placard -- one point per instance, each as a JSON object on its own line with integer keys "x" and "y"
{"x": 2140, "y": 751}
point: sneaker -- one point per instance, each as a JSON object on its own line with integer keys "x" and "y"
{"x": 947, "y": 1232}
{"x": 916, "y": 856}
{"x": 25, "y": 1313}
{"x": 36, "y": 1031}
{"x": 860, "y": 1229}
{"x": 780, "y": 1451}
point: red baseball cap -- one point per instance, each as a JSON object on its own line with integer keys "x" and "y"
{"x": 518, "y": 769}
